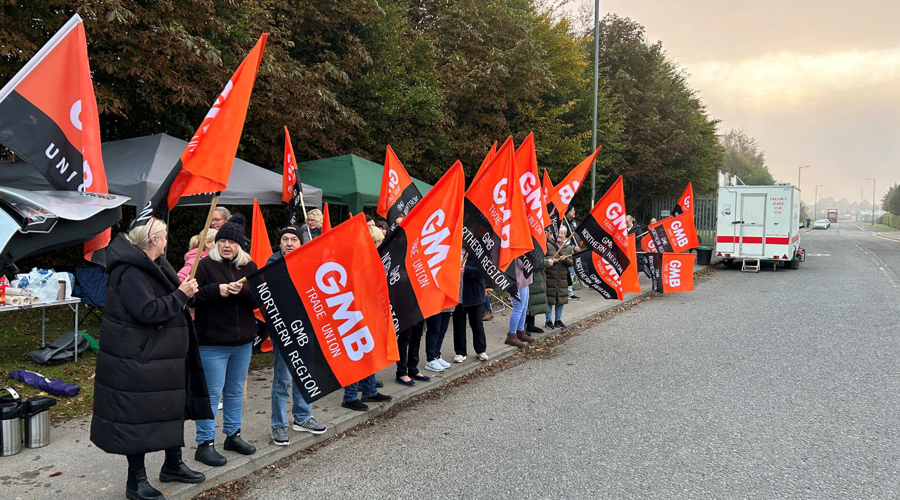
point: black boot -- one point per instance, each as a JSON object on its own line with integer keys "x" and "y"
{"x": 174, "y": 469}
{"x": 529, "y": 325}
{"x": 235, "y": 443}
{"x": 136, "y": 486}
{"x": 207, "y": 454}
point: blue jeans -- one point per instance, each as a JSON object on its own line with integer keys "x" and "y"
{"x": 559, "y": 310}
{"x": 351, "y": 392}
{"x": 572, "y": 275}
{"x": 519, "y": 310}
{"x": 434, "y": 334}
{"x": 487, "y": 302}
{"x": 280, "y": 385}
{"x": 226, "y": 371}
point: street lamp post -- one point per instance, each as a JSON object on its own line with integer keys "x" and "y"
{"x": 816, "y": 205}
{"x": 800, "y": 171}
{"x": 873, "y": 201}
{"x": 596, "y": 81}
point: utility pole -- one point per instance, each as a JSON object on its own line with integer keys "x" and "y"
{"x": 873, "y": 201}
{"x": 596, "y": 75}
{"x": 816, "y": 205}
{"x": 800, "y": 171}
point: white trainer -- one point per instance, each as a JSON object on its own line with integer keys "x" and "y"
{"x": 483, "y": 356}
{"x": 459, "y": 358}
{"x": 443, "y": 363}
{"x": 434, "y": 366}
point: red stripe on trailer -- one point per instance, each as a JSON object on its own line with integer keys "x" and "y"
{"x": 755, "y": 239}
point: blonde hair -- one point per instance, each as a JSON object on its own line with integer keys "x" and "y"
{"x": 376, "y": 233}
{"x": 140, "y": 236}
{"x": 241, "y": 260}
{"x": 314, "y": 214}
{"x": 226, "y": 214}
{"x": 195, "y": 239}
{"x": 563, "y": 230}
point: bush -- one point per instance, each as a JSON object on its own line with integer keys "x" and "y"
{"x": 890, "y": 220}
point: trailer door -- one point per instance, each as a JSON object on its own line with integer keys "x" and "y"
{"x": 753, "y": 224}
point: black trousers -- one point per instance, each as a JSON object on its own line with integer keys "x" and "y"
{"x": 479, "y": 342}
{"x": 409, "y": 342}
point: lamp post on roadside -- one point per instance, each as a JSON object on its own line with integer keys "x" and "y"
{"x": 800, "y": 171}
{"x": 873, "y": 202}
{"x": 596, "y": 88}
{"x": 816, "y": 205}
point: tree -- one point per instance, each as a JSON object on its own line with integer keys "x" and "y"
{"x": 891, "y": 200}
{"x": 744, "y": 158}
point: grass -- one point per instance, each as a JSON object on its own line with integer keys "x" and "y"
{"x": 884, "y": 227}
{"x": 20, "y": 332}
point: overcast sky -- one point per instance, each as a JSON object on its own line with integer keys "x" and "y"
{"x": 815, "y": 82}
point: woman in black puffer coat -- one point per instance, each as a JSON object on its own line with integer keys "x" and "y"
{"x": 148, "y": 377}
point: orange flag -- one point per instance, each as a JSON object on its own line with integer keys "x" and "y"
{"x": 289, "y": 171}
{"x": 562, "y": 195}
{"x": 685, "y": 203}
{"x": 630, "y": 281}
{"x": 672, "y": 234}
{"x": 495, "y": 228}
{"x": 421, "y": 257}
{"x": 535, "y": 206}
{"x": 48, "y": 116}
{"x": 399, "y": 193}
{"x": 326, "y": 305}
{"x": 484, "y": 163}
{"x": 206, "y": 162}
{"x": 605, "y": 230}
{"x": 326, "y": 219}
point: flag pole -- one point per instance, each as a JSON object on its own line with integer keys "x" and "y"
{"x": 212, "y": 209}
{"x": 302, "y": 204}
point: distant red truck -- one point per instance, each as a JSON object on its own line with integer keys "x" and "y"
{"x": 832, "y": 215}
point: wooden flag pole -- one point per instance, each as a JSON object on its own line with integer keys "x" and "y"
{"x": 305, "y": 215}
{"x": 209, "y": 217}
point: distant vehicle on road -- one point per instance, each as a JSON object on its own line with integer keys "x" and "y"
{"x": 832, "y": 215}
{"x": 822, "y": 224}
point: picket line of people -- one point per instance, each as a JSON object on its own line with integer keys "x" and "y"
{"x": 158, "y": 365}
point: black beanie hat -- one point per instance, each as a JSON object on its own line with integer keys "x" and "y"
{"x": 290, "y": 230}
{"x": 231, "y": 231}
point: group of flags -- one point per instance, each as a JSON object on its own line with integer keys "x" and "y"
{"x": 333, "y": 306}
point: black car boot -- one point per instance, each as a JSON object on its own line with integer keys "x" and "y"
{"x": 174, "y": 469}
{"x": 137, "y": 487}
{"x": 207, "y": 454}
{"x": 235, "y": 443}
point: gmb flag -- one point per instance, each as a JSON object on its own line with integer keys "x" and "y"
{"x": 398, "y": 191}
{"x": 291, "y": 190}
{"x": 552, "y": 212}
{"x": 671, "y": 272}
{"x": 561, "y": 196}
{"x": 535, "y": 204}
{"x": 421, "y": 256}
{"x": 630, "y": 280}
{"x": 326, "y": 308}
{"x": 598, "y": 274}
{"x": 605, "y": 229}
{"x": 48, "y": 116}
{"x": 495, "y": 230}
{"x": 672, "y": 234}
{"x": 685, "y": 203}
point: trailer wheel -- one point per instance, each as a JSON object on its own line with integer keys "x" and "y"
{"x": 728, "y": 262}
{"x": 795, "y": 262}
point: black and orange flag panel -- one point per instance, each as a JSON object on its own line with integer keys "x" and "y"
{"x": 561, "y": 196}
{"x": 672, "y": 234}
{"x": 552, "y": 212}
{"x": 421, "y": 256}
{"x": 49, "y": 118}
{"x": 326, "y": 308}
{"x": 291, "y": 192}
{"x": 495, "y": 229}
{"x": 535, "y": 204}
{"x": 260, "y": 251}
{"x": 207, "y": 159}
{"x": 605, "y": 230}
{"x": 595, "y": 272}
{"x": 399, "y": 193}
{"x": 671, "y": 272}
{"x": 685, "y": 203}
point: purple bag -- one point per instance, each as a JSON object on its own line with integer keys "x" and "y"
{"x": 49, "y": 385}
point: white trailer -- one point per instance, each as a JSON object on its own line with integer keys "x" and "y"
{"x": 757, "y": 224}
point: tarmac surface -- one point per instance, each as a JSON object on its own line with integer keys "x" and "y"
{"x": 779, "y": 384}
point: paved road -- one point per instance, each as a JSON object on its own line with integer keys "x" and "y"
{"x": 772, "y": 385}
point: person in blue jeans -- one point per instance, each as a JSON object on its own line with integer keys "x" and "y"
{"x": 281, "y": 382}
{"x": 225, "y": 331}
{"x": 517, "y": 335}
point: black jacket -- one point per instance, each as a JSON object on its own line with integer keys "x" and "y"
{"x": 224, "y": 321}
{"x": 149, "y": 377}
{"x": 472, "y": 283}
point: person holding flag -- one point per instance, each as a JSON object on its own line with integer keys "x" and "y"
{"x": 313, "y": 226}
{"x": 226, "y": 328}
{"x": 557, "y": 273}
{"x": 289, "y": 241}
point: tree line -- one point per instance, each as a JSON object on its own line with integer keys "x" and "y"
{"x": 437, "y": 80}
